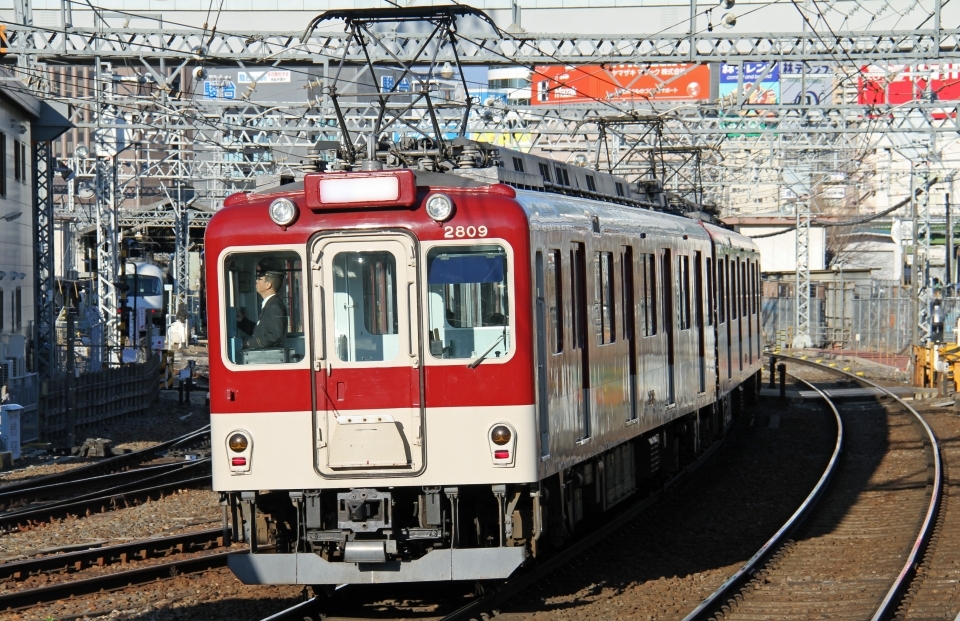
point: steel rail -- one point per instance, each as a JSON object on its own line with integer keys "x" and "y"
{"x": 895, "y": 594}
{"x": 116, "y": 489}
{"x": 297, "y": 612}
{"x": 475, "y": 609}
{"x": 29, "y": 598}
{"x": 110, "y": 464}
{"x": 121, "y": 553}
{"x": 44, "y": 513}
{"x": 734, "y": 583}
{"x": 103, "y": 480}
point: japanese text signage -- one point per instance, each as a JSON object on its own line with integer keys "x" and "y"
{"x": 555, "y": 84}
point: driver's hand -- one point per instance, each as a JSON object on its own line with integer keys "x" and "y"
{"x": 241, "y": 315}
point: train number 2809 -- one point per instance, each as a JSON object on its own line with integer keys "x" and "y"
{"x": 453, "y": 232}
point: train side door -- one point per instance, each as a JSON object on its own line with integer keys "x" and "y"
{"x": 628, "y": 283}
{"x": 366, "y": 355}
{"x": 543, "y": 393}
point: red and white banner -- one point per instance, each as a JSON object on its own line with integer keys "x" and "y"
{"x": 898, "y": 84}
{"x": 557, "y": 84}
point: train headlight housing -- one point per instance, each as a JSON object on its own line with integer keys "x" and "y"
{"x": 439, "y": 207}
{"x": 502, "y": 442}
{"x": 283, "y": 211}
{"x": 240, "y": 451}
{"x": 239, "y": 443}
{"x": 500, "y": 435}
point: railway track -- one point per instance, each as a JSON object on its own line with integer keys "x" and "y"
{"x": 200, "y": 551}
{"x": 109, "y": 465}
{"x": 123, "y": 483}
{"x": 861, "y": 545}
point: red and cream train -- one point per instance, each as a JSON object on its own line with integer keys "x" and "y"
{"x": 473, "y": 363}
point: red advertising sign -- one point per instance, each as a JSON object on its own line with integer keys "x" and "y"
{"x": 897, "y": 84}
{"x": 556, "y": 84}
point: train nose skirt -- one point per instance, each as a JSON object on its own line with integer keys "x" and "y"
{"x": 436, "y": 565}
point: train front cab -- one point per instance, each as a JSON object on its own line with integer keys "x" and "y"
{"x": 389, "y": 434}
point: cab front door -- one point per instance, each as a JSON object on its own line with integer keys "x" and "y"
{"x": 366, "y": 353}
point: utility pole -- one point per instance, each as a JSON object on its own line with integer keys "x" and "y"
{"x": 948, "y": 263}
{"x": 802, "y": 335}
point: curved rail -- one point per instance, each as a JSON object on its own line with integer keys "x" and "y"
{"x": 709, "y": 606}
{"x": 895, "y": 593}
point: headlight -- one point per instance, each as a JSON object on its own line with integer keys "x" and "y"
{"x": 439, "y": 207}
{"x": 500, "y": 435}
{"x": 283, "y": 211}
{"x": 239, "y": 442}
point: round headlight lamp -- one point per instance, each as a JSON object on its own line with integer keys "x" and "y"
{"x": 439, "y": 207}
{"x": 283, "y": 211}
{"x": 238, "y": 443}
{"x": 500, "y": 435}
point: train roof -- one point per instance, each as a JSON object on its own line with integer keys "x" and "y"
{"x": 730, "y": 238}
{"x": 550, "y": 208}
{"x": 469, "y": 163}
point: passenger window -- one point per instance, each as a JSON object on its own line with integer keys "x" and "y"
{"x": 555, "y": 298}
{"x": 469, "y": 302}
{"x": 604, "y": 298}
{"x": 744, "y": 307}
{"x": 262, "y": 297}
{"x": 721, "y": 291}
{"x": 626, "y": 286}
{"x": 709, "y": 291}
{"x": 684, "y": 288}
{"x": 732, "y": 291}
{"x": 365, "y": 314}
{"x": 648, "y": 294}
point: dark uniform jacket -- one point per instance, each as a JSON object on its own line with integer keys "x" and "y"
{"x": 269, "y": 330}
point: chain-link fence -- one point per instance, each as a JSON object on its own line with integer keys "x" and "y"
{"x": 877, "y": 321}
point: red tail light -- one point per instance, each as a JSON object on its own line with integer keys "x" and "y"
{"x": 238, "y": 461}
{"x": 501, "y": 454}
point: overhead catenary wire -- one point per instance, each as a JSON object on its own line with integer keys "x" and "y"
{"x": 855, "y": 222}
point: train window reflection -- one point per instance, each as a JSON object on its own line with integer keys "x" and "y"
{"x": 366, "y": 325}
{"x": 469, "y": 301}
{"x": 264, "y": 313}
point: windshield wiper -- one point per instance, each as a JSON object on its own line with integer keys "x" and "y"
{"x": 476, "y": 363}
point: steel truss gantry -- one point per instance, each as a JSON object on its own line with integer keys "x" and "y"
{"x": 162, "y": 57}
{"x": 481, "y": 45}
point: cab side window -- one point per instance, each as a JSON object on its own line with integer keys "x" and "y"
{"x": 262, "y": 295}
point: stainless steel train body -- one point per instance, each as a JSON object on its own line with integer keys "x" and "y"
{"x": 609, "y": 345}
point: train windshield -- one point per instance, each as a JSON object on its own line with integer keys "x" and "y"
{"x": 469, "y": 303}
{"x": 262, "y": 294}
{"x": 366, "y": 316}
{"x": 140, "y": 285}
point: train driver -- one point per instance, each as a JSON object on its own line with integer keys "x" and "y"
{"x": 269, "y": 330}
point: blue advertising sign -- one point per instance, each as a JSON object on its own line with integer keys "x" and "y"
{"x": 730, "y": 74}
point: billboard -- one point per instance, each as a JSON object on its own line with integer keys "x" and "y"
{"x": 898, "y": 84}
{"x": 558, "y": 84}
{"x": 767, "y": 73}
{"x": 806, "y": 83}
